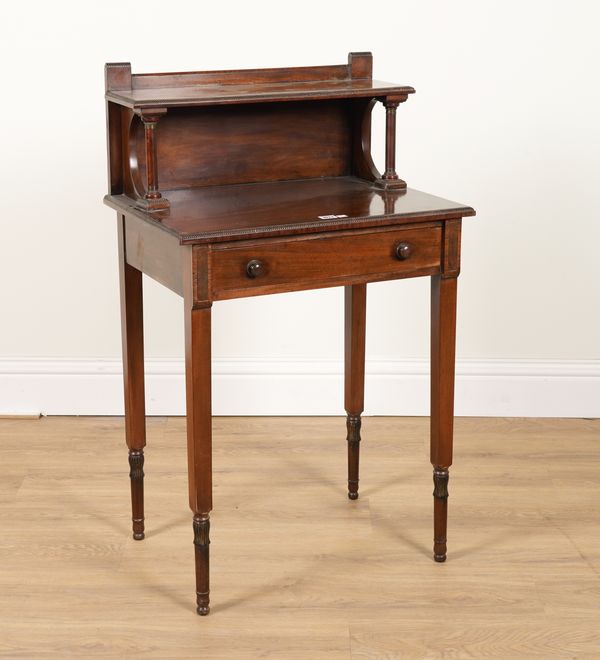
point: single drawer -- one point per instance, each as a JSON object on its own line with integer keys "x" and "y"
{"x": 255, "y": 267}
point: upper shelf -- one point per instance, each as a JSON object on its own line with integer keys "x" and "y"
{"x": 198, "y": 88}
{"x": 219, "y": 94}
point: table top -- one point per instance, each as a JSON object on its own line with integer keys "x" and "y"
{"x": 219, "y": 94}
{"x": 275, "y": 208}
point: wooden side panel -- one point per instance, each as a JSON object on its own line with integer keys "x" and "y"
{"x": 243, "y": 144}
{"x": 116, "y": 77}
{"x": 155, "y": 252}
{"x": 114, "y": 144}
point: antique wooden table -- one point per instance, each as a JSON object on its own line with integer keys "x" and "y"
{"x": 267, "y": 185}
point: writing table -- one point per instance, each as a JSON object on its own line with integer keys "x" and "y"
{"x": 267, "y": 185}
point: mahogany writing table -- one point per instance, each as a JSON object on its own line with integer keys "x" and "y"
{"x": 267, "y": 185}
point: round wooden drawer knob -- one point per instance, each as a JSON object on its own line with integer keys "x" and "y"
{"x": 255, "y": 268}
{"x": 403, "y": 250}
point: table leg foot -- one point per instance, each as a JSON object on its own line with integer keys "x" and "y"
{"x": 353, "y": 424}
{"x": 440, "y": 512}
{"x": 201, "y": 544}
{"x": 136, "y": 475}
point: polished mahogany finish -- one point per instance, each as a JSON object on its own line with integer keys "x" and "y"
{"x": 136, "y": 474}
{"x": 231, "y": 184}
{"x": 210, "y": 88}
{"x": 440, "y": 512}
{"x": 201, "y": 541}
{"x": 132, "y": 333}
{"x": 275, "y": 208}
{"x": 355, "y": 322}
{"x": 390, "y": 178}
{"x": 152, "y": 198}
{"x": 286, "y": 264}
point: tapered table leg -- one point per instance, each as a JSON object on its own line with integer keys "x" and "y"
{"x": 443, "y": 336}
{"x": 355, "y": 307}
{"x": 199, "y": 436}
{"x": 132, "y": 333}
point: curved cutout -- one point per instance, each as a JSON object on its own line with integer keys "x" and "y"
{"x": 363, "y": 161}
{"x": 136, "y": 175}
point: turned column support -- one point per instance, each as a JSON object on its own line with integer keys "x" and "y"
{"x": 153, "y": 199}
{"x": 390, "y": 140}
{"x": 390, "y": 178}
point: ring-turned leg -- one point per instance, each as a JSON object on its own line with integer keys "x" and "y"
{"x": 201, "y": 525}
{"x": 136, "y": 477}
{"x": 440, "y": 512}
{"x": 355, "y": 307}
{"x": 132, "y": 334}
{"x": 199, "y": 436}
{"x": 443, "y": 334}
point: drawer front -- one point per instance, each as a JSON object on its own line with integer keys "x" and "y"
{"x": 256, "y": 267}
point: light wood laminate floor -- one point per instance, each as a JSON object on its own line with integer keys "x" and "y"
{"x": 299, "y": 571}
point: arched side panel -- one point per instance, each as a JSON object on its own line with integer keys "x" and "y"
{"x": 362, "y": 160}
{"x": 136, "y": 157}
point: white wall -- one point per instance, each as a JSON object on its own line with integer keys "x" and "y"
{"x": 505, "y": 119}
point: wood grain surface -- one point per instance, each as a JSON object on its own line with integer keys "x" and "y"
{"x": 197, "y": 88}
{"x": 218, "y": 94}
{"x": 274, "y": 208}
{"x": 307, "y": 263}
{"x": 242, "y": 144}
{"x": 351, "y": 580}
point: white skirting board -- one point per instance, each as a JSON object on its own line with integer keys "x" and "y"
{"x": 495, "y": 388}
